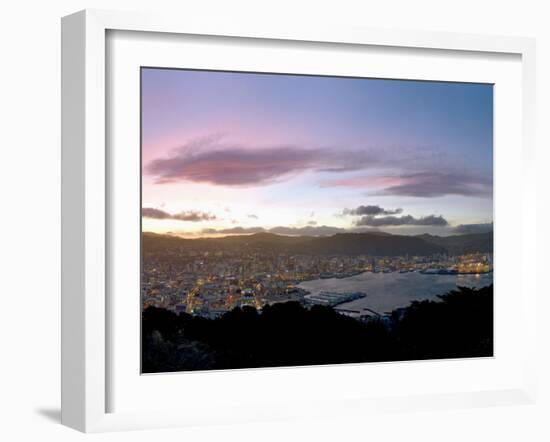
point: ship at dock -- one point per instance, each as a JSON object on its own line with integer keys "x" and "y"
{"x": 332, "y": 299}
{"x": 439, "y": 272}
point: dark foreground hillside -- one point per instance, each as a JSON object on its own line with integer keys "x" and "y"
{"x": 459, "y": 325}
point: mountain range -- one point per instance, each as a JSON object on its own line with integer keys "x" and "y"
{"x": 372, "y": 243}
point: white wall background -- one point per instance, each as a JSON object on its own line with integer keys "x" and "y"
{"x": 30, "y": 215}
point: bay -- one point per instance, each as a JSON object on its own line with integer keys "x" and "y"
{"x": 388, "y": 291}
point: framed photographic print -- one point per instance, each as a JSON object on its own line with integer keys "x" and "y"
{"x": 292, "y": 222}
{"x": 298, "y": 220}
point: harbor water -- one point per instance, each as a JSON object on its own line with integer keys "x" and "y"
{"x": 388, "y": 291}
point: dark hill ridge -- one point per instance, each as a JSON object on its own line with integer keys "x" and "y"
{"x": 153, "y": 242}
{"x": 460, "y": 244}
{"x": 339, "y": 244}
{"x": 370, "y": 244}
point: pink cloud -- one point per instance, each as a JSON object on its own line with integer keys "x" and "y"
{"x": 365, "y": 182}
{"x": 420, "y": 184}
{"x": 233, "y": 166}
{"x": 190, "y": 215}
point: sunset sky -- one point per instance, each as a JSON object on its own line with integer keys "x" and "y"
{"x": 230, "y": 153}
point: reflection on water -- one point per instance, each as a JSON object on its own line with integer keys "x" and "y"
{"x": 387, "y": 291}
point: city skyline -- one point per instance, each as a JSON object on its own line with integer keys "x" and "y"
{"x": 239, "y": 153}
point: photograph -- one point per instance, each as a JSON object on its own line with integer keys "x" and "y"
{"x": 300, "y": 220}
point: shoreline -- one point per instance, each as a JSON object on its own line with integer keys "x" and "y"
{"x": 395, "y": 290}
{"x": 420, "y": 272}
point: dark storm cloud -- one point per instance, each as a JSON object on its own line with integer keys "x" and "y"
{"x": 463, "y": 229}
{"x": 309, "y": 230}
{"x": 371, "y": 210}
{"x": 149, "y": 212}
{"x": 407, "y": 220}
{"x": 235, "y": 230}
{"x": 191, "y": 215}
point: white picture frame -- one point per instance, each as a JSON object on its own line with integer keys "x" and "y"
{"x": 85, "y": 213}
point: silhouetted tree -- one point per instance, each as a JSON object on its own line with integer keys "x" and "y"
{"x": 459, "y": 324}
